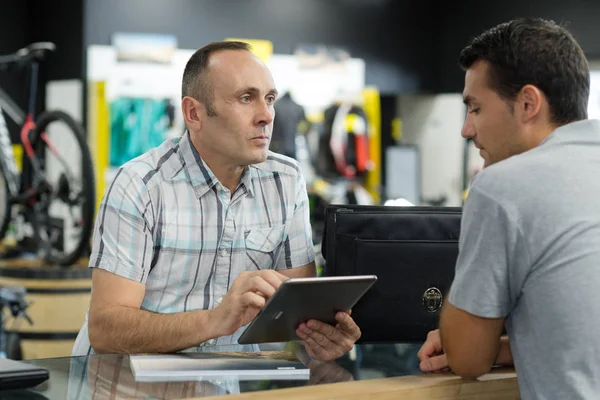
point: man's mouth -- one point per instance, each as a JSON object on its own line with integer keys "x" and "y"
{"x": 260, "y": 139}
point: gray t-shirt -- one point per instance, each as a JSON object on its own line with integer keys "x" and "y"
{"x": 530, "y": 251}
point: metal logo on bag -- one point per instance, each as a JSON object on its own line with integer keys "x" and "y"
{"x": 432, "y": 299}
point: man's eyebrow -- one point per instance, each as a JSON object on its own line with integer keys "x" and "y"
{"x": 248, "y": 89}
{"x": 468, "y": 100}
{"x": 254, "y": 90}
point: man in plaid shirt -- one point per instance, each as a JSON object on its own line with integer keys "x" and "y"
{"x": 194, "y": 236}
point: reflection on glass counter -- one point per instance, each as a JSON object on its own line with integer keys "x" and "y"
{"x": 111, "y": 376}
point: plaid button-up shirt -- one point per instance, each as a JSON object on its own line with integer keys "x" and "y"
{"x": 166, "y": 221}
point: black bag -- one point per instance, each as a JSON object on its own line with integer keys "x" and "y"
{"x": 413, "y": 252}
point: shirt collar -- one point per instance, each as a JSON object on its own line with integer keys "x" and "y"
{"x": 584, "y": 131}
{"x": 246, "y": 180}
{"x": 202, "y": 178}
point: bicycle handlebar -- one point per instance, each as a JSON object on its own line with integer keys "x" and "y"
{"x": 26, "y": 55}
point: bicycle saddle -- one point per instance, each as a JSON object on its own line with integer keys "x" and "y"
{"x": 33, "y": 52}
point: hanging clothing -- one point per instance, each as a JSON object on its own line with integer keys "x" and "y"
{"x": 288, "y": 116}
{"x": 344, "y": 144}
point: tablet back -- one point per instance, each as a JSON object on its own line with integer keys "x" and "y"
{"x": 413, "y": 252}
{"x": 298, "y": 300}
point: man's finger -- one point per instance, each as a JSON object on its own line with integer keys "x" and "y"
{"x": 426, "y": 351}
{"x": 258, "y": 284}
{"x": 431, "y": 347}
{"x": 339, "y": 343}
{"x": 327, "y": 330}
{"x": 347, "y": 325}
{"x": 436, "y": 339}
{"x": 318, "y": 337}
{"x": 264, "y": 296}
{"x": 434, "y": 364}
{"x": 273, "y": 277}
{"x": 313, "y": 348}
{"x": 251, "y": 299}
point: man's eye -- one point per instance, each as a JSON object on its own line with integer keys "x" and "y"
{"x": 271, "y": 100}
{"x": 474, "y": 111}
{"x": 245, "y": 99}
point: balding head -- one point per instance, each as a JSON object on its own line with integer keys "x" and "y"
{"x": 196, "y": 82}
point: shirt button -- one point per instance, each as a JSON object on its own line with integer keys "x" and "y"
{"x": 219, "y": 300}
{"x": 210, "y": 342}
{"x": 223, "y": 253}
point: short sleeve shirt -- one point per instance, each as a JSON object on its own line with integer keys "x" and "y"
{"x": 167, "y": 222}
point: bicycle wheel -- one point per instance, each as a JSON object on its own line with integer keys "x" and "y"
{"x": 5, "y": 205}
{"x": 65, "y": 211}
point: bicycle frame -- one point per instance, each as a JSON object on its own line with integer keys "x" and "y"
{"x": 26, "y": 121}
{"x": 7, "y": 157}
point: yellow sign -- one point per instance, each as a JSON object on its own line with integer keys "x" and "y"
{"x": 261, "y": 48}
{"x": 372, "y": 107}
{"x": 99, "y": 135}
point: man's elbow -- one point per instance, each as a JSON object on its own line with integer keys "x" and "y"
{"x": 468, "y": 369}
{"x": 98, "y": 336}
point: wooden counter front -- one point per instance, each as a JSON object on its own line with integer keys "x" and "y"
{"x": 498, "y": 385}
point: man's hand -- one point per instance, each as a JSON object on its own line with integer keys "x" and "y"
{"x": 432, "y": 354}
{"x": 325, "y": 342}
{"x": 246, "y": 297}
{"x": 433, "y": 358}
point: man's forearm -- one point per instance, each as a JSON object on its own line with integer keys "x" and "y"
{"x": 504, "y": 356}
{"x": 122, "y": 329}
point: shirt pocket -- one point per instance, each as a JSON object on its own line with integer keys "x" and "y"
{"x": 263, "y": 247}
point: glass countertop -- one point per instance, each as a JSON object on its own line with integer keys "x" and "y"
{"x": 110, "y": 376}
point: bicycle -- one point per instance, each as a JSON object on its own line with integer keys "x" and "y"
{"x": 58, "y": 239}
{"x": 13, "y": 299}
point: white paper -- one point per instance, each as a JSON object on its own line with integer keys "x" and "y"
{"x": 200, "y": 366}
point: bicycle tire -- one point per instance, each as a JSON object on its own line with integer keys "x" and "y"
{"x": 5, "y": 208}
{"x": 88, "y": 182}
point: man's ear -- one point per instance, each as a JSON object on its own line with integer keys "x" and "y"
{"x": 530, "y": 101}
{"x": 192, "y": 113}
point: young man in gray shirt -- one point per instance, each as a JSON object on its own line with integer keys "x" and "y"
{"x": 529, "y": 254}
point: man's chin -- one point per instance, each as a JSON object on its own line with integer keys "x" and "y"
{"x": 259, "y": 157}
{"x": 486, "y": 159}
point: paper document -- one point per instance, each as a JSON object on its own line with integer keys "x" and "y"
{"x": 210, "y": 366}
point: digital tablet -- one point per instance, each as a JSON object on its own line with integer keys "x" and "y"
{"x": 300, "y": 299}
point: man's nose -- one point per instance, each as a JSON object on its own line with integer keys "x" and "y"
{"x": 265, "y": 114}
{"x": 468, "y": 130}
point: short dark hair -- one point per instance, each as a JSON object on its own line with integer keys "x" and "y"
{"x": 537, "y": 52}
{"x": 194, "y": 82}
